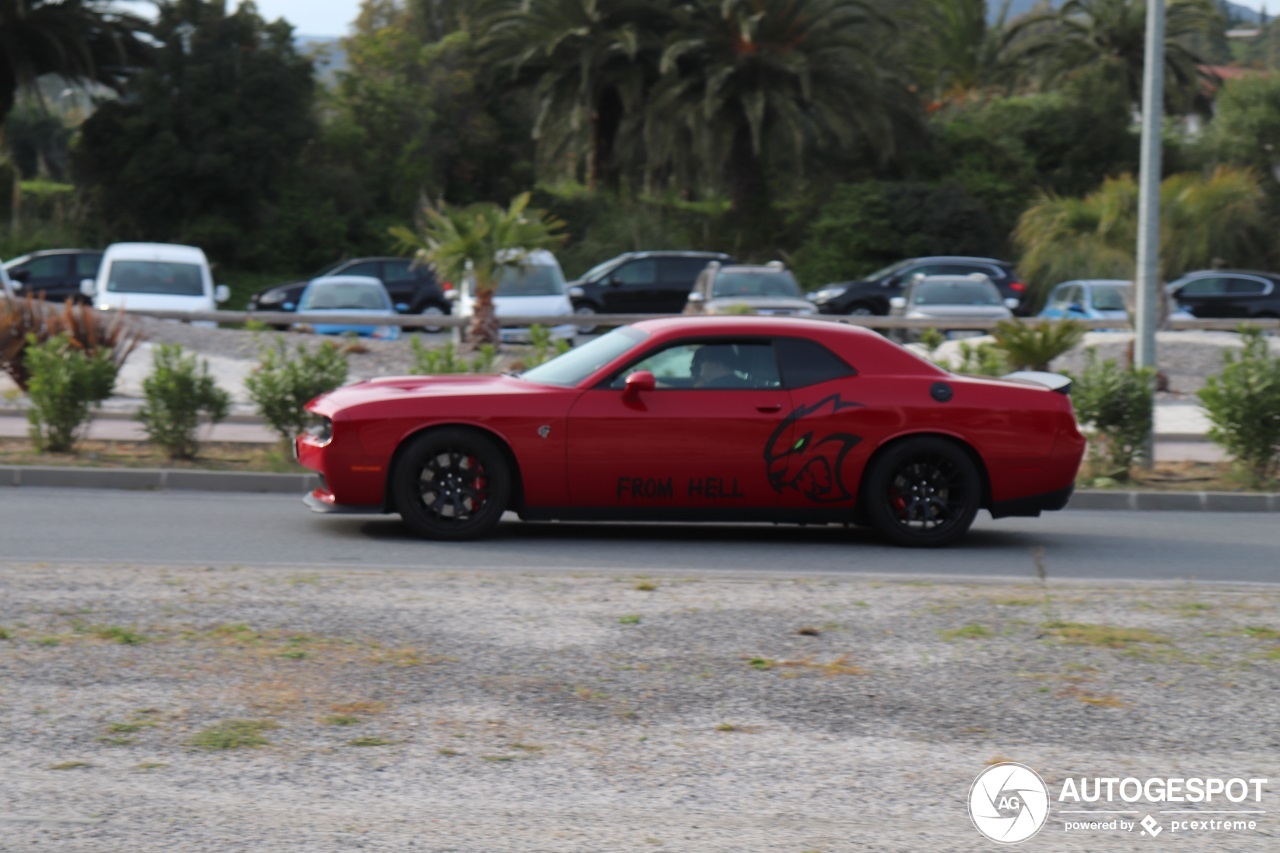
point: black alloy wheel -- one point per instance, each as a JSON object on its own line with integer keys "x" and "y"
{"x": 923, "y": 492}
{"x": 451, "y": 484}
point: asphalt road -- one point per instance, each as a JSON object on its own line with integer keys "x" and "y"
{"x": 72, "y": 525}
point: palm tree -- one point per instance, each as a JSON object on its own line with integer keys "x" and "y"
{"x": 1204, "y": 221}
{"x": 1112, "y": 33}
{"x": 743, "y": 78}
{"x": 958, "y": 50}
{"x": 80, "y": 40}
{"x": 590, "y": 63}
{"x": 479, "y": 241}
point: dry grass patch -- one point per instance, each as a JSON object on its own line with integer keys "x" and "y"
{"x": 839, "y": 666}
{"x": 1107, "y": 636}
{"x": 233, "y": 734}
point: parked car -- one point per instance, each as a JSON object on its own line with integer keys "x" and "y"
{"x": 413, "y": 288}
{"x": 642, "y": 282}
{"x": 350, "y": 294}
{"x": 1089, "y": 299}
{"x": 534, "y": 287}
{"x": 56, "y": 273}
{"x": 871, "y": 295}
{"x": 825, "y": 424}
{"x": 155, "y": 277}
{"x": 768, "y": 289}
{"x": 1211, "y": 294}
{"x": 943, "y": 298}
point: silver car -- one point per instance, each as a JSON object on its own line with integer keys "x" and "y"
{"x": 740, "y": 289}
{"x": 946, "y": 298}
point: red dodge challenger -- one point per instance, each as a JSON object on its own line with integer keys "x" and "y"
{"x": 701, "y": 419}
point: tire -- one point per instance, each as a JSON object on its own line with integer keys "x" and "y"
{"x": 585, "y": 310}
{"x": 922, "y": 493}
{"x": 861, "y": 309}
{"x": 468, "y": 506}
{"x": 432, "y": 311}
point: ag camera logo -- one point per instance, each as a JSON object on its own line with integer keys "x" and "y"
{"x": 1008, "y": 802}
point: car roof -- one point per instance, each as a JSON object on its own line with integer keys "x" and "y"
{"x": 749, "y": 325}
{"x": 959, "y": 258}
{"x": 753, "y": 268}
{"x": 155, "y": 252}
{"x": 1209, "y": 273}
{"x": 357, "y": 280}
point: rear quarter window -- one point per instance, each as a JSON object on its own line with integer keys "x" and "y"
{"x": 804, "y": 362}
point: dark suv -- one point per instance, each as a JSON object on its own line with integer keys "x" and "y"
{"x": 642, "y": 282}
{"x": 1210, "y": 294}
{"x": 413, "y": 289}
{"x": 56, "y": 273}
{"x": 871, "y": 295}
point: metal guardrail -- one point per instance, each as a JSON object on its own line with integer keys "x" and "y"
{"x": 416, "y": 321}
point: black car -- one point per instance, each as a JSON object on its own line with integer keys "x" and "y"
{"x": 413, "y": 288}
{"x": 642, "y": 282}
{"x": 56, "y": 273}
{"x": 1210, "y": 294}
{"x": 871, "y": 295}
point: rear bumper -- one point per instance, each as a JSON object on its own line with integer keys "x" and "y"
{"x": 1032, "y": 505}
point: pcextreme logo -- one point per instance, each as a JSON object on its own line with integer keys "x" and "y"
{"x": 1010, "y": 802}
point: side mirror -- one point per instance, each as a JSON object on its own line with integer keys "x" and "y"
{"x": 88, "y": 287}
{"x": 221, "y": 293}
{"x": 641, "y": 380}
{"x": 898, "y": 302}
{"x": 402, "y": 307}
{"x": 289, "y": 306}
{"x": 576, "y": 293}
{"x": 1012, "y": 304}
{"x": 19, "y": 277}
{"x": 697, "y": 297}
{"x": 614, "y": 281}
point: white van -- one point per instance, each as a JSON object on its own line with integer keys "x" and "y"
{"x": 535, "y": 287}
{"x": 154, "y": 277}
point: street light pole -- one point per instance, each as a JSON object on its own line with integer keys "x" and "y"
{"x": 1147, "y": 281}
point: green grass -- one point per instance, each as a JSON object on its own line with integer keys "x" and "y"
{"x": 369, "y": 741}
{"x": 968, "y": 632}
{"x": 118, "y": 634}
{"x": 71, "y": 765}
{"x": 1107, "y": 636}
{"x": 342, "y": 720}
{"x": 233, "y": 734}
{"x": 646, "y": 586}
{"x": 631, "y": 619}
{"x": 1259, "y": 632}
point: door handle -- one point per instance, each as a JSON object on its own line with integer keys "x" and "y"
{"x": 771, "y": 407}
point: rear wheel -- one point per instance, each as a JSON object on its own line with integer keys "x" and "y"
{"x": 923, "y": 492}
{"x": 861, "y": 309}
{"x": 433, "y": 311}
{"x": 451, "y": 484}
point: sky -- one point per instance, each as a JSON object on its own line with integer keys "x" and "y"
{"x": 309, "y": 17}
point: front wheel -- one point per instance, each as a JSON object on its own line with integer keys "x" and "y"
{"x": 451, "y": 484}
{"x": 433, "y": 311}
{"x": 585, "y": 311}
{"x": 922, "y": 493}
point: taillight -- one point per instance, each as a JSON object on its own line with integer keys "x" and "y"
{"x": 1017, "y": 286}
{"x": 448, "y": 285}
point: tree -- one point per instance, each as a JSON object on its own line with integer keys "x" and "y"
{"x": 1204, "y": 221}
{"x": 957, "y": 49}
{"x": 590, "y": 64}
{"x": 198, "y": 150}
{"x": 1112, "y": 34}
{"x": 80, "y": 40}
{"x": 744, "y": 80}
{"x": 1245, "y": 130}
{"x": 478, "y": 241}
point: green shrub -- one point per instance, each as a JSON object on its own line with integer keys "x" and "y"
{"x": 445, "y": 360}
{"x": 983, "y": 359}
{"x": 543, "y": 348}
{"x": 1118, "y": 404}
{"x": 32, "y": 320}
{"x": 1243, "y": 405}
{"x": 66, "y": 383}
{"x": 1033, "y": 347}
{"x": 282, "y": 385}
{"x": 178, "y": 391}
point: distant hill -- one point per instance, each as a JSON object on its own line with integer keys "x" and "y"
{"x": 1234, "y": 11}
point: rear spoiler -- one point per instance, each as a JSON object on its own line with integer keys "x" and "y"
{"x": 1052, "y": 381}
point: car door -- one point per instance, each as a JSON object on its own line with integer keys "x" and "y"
{"x": 679, "y": 447}
{"x": 630, "y": 289}
{"x": 1243, "y": 295}
{"x": 401, "y": 282}
{"x": 47, "y": 274}
{"x": 85, "y": 266}
{"x": 1204, "y": 296}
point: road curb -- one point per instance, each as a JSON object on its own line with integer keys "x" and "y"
{"x": 157, "y": 479}
{"x": 166, "y": 479}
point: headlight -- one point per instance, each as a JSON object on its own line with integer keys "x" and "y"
{"x": 271, "y": 297}
{"x": 320, "y": 428}
{"x": 825, "y": 295}
{"x": 806, "y": 311}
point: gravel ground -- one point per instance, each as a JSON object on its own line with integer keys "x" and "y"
{"x": 557, "y": 712}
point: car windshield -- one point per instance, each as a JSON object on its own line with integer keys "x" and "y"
{"x": 21, "y": 259}
{"x": 598, "y": 271}
{"x": 530, "y": 280}
{"x": 580, "y": 362}
{"x": 167, "y": 277}
{"x": 755, "y": 284}
{"x": 956, "y": 293}
{"x": 885, "y": 272}
{"x": 344, "y": 297}
{"x": 1110, "y": 297}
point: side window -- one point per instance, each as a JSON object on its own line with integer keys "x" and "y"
{"x": 805, "y": 362}
{"x": 1075, "y": 296}
{"x": 1245, "y": 287}
{"x": 396, "y": 271}
{"x": 48, "y": 266}
{"x": 1204, "y": 287}
{"x": 710, "y": 365}
{"x": 87, "y": 265}
{"x": 1058, "y": 299}
{"x": 642, "y": 272}
{"x": 680, "y": 270}
{"x": 372, "y": 268}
